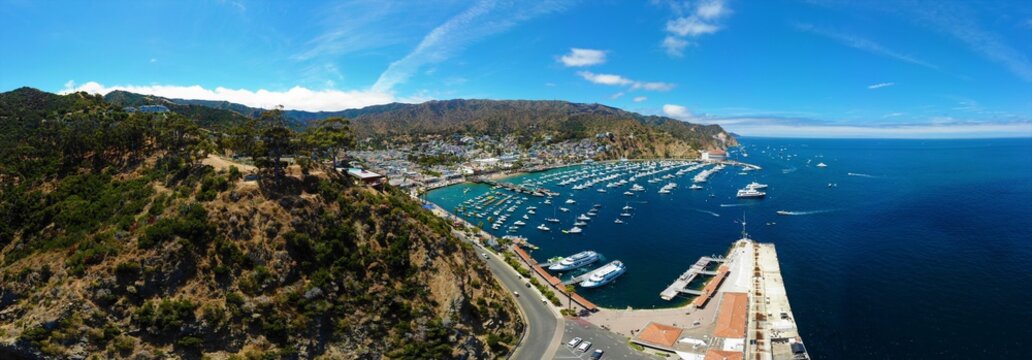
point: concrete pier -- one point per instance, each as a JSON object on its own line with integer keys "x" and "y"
{"x": 679, "y": 285}
{"x": 541, "y": 192}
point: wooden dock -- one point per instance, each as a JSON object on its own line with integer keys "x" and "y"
{"x": 679, "y": 286}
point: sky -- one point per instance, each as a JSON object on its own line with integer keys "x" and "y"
{"x": 816, "y": 68}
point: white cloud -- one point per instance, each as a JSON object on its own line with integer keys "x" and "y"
{"x": 483, "y": 19}
{"x": 296, "y": 98}
{"x": 617, "y": 80}
{"x": 880, "y": 85}
{"x": 711, "y": 9}
{"x": 616, "y": 96}
{"x": 674, "y": 45}
{"x": 690, "y": 26}
{"x": 702, "y": 21}
{"x": 605, "y": 79}
{"x": 153, "y": 60}
{"x": 678, "y": 112}
{"x": 583, "y": 57}
{"x": 639, "y": 99}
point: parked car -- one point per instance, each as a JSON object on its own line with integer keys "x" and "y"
{"x": 584, "y": 346}
{"x": 485, "y": 256}
{"x": 544, "y": 300}
{"x": 516, "y": 293}
{"x": 573, "y": 342}
{"x": 597, "y": 354}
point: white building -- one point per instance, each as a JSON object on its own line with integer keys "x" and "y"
{"x": 715, "y": 155}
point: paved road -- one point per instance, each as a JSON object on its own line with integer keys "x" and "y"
{"x": 614, "y": 345}
{"x": 541, "y": 320}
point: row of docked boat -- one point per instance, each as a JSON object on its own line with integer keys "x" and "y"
{"x": 598, "y": 277}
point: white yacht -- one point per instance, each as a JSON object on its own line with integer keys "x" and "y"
{"x": 542, "y": 227}
{"x": 564, "y": 209}
{"x": 574, "y": 230}
{"x": 571, "y": 201}
{"x": 604, "y": 275}
{"x": 625, "y": 214}
{"x": 580, "y": 223}
{"x": 628, "y": 193}
{"x": 601, "y": 190}
{"x": 618, "y": 221}
{"x": 552, "y": 220}
{"x": 756, "y": 185}
{"x": 695, "y": 187}
{"x": 519, "y": 223}
{"x": 750, "y": 193}
{"x": 637, "y": 187}
{"x": 575, "y": 261}
{"x": 822, "y": 165}
{"x": 548, "y": 201}
{"x": 583, "y": 217}
{"x": 627, "y": 207}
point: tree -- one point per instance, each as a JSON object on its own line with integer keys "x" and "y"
{"x": 329, "y": 138}
{"x": 181, "y": 138}
{"x": 275, "y": 140}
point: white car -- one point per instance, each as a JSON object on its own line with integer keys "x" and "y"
{"x": 516, "y": 293}
{"x": 584, "y": 346}
{"x": 544, "y": 300}
{"x": 573, "y": 342}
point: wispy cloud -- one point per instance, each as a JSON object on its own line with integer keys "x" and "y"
{"x": 483, "y": 19}
{"x": 692, "y": 22}
{"x": 583, "y": 57}
{"x": 639, "y": 99}
{"x": 880, "y": 85}
{"x": 959, "y": 21}
{"x": 617, "y": 80}
{"x": 865, "y": 45}
{"x": 296, "y": 98}
{"x": 617, "y": 95}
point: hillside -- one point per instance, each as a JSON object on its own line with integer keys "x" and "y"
{"x": 632, "y": 135}
{"x": 213, "y": 115}
{"x": 118, "y": 242}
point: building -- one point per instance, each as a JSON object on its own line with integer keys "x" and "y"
{"x": 715, "y": 155}
{"x": 658, "y": 336}
{"x": 366, "y": 177}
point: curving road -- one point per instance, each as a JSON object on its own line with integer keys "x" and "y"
{"x": 542, "y": 321}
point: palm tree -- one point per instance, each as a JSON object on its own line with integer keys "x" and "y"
{"x": 569, "y": 295}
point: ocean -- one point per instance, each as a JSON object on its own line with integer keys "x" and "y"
{"x": 897, "y": 249}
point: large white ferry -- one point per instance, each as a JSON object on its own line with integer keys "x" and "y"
{"x": 575, "y": 261}
{"x": 604, "y": 275}
{"x": 750, "y": 193}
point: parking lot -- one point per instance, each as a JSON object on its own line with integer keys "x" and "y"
{"x": 614, "y": 345}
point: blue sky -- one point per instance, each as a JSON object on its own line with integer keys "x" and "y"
{"x": 819, "y": 68}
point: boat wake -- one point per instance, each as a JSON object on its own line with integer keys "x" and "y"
{"x": 862, "y": 175}
{"x": 801, "y": 213}
{"x": 707, "y": 212}
{"x": 786, "y": 171}
{"x": 734, "y": 205}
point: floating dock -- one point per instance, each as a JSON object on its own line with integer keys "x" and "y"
{"x": 680, "y": 284}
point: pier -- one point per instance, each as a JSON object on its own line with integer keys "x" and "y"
{"x": 680, "y": 284}
{"x": 540, "y": 192}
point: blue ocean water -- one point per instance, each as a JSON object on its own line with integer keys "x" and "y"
{"x": 917, "y": 249}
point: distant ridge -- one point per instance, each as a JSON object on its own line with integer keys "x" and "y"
{"x": 630, "y": 134}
